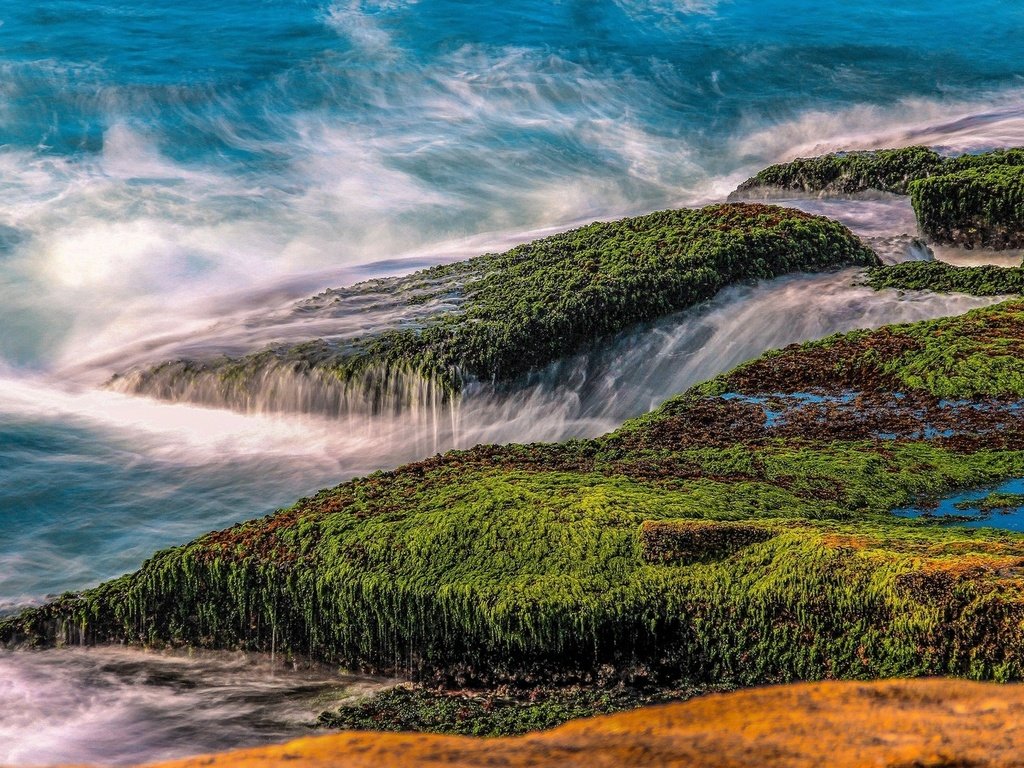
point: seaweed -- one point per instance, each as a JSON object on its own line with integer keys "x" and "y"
{"x": 993, "y": 502}
{"x": 490, "y": 713}
{"x": 886, "y": 170}
{"x": 941, "y": 277}
{"x": 981, "y": 207}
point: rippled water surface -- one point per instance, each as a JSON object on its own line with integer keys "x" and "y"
{"x": 174, "y": 176}
{"x": 114, "y": 706}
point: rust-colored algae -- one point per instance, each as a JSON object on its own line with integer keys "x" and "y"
{"x": 922, "y": 723}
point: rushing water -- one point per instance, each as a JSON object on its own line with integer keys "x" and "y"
{"x": 112, "y": 706}
{"x": 175, "y": 176}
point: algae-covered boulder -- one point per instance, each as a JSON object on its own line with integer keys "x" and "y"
{"x": 968, "y": 200}
{"x": 846, "y": 173}
{"x": 974, "y": 207}
{"x": 939, "y": 276}
{"x": 546, "y": 562}
{"x": 499, "y": 316}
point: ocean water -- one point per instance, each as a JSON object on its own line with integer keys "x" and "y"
{"x": 170, "y": 171}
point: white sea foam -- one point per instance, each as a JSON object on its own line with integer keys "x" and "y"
{"x": 953, "y": 125}
{"x": 168, "y": 431}
{"x": 582, "y": 396}
{"x": 130, "y": 245}
{"x": 645, "y": 9}
{"x": 109, "y": 242}
{"x": 118, "y": 706}
{"x": 359, "y": 22}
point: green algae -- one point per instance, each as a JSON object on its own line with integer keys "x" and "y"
{"x": 938, "y": 276}
{"x": 520, "y": 310}
{"x": 981, "y": 206}
{"x": 510, "y": 713}
{"x": 536, "y": 562}
{"x": 887, "y": 170}
{"x": 993, "y": 502}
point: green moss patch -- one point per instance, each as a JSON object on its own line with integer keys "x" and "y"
{"x": 985, "y": 280}
{"x": 994, "y": 502}
{"x": 478, "y": 713}
{"x": 887, "y": 170}
{"x": 975, "y": 207}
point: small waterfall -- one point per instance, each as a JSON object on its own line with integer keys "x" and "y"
{"x": 369, "y": 403}
{"x": 406, "y": 412}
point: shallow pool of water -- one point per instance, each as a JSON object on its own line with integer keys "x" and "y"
{"x": 969, "y": 508}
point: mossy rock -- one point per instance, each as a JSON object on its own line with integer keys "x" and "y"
{"x": 847, "y": 173}
{"x": 969, "y": 200}
{"x": 981, "y": 207}
{"x": 515, "y": 312}
{"x": 938, "y": 276}
{"x": 521, "y": 562}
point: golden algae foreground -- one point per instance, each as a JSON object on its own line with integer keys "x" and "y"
{"x": 848, "y": 724}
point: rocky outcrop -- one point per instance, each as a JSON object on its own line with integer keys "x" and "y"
{"x": 500, "y": 316}
{"x": 985, "y": 280}
{"x": 769, "y": 489}
{"x": 969, "y": 200}
{"x": 978, "y": 207}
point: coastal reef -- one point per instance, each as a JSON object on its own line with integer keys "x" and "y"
{"x": 499, "y": 316}
{"x": 741, "y": 533}
{"x": 969, "y": 200}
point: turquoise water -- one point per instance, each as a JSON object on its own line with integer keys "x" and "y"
{"x": 166, "y": 170}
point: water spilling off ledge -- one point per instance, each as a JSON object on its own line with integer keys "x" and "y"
{"x": 581, "y": 395}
